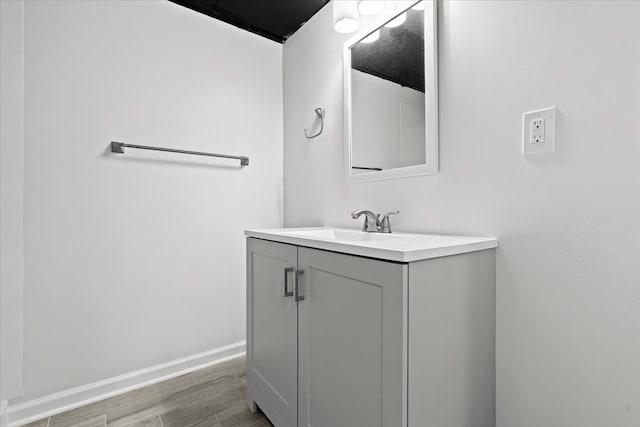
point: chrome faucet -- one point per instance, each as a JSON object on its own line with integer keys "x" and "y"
{"x": 369, "y": 216}
{"x": 371, "y": 219}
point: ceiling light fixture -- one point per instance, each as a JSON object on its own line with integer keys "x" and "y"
{"x": 345, "y": 16}
{"x": 372, "y": 37}
{"x": 370, "y": 7}
{"x": 397, "y": 21}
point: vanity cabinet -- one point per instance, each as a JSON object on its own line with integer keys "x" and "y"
{"x": 338, "y": 340}
{"x": 272, "y": 331}
{"x": 350, "y": 340}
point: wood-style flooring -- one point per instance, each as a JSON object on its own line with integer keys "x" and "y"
{"x": 211, "y": 397}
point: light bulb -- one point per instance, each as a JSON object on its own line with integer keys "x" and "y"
{"x": 397, "y": 21}
{"x": 345, "y": 16}
{"x": 370, "y": 7}
{"x": 372, "y": 37}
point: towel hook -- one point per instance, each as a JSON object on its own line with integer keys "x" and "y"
{"x": 320, "y": 113}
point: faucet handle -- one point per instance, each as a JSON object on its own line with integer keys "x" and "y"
{"x": 386, "y": 216}
{"x": 385, "y": 224}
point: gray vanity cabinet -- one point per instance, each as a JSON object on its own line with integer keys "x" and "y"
{"x": 322, "y": 361}
{"x": 338, "y": 340}
{"x": 350, "y": 340}
{"x": 272, "y": 331}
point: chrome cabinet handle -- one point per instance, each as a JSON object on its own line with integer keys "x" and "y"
{"x": 296, "y": 286}
{"x": 287, "y": 293}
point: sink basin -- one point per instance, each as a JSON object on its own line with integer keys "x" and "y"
{"x": 348, "y": 235}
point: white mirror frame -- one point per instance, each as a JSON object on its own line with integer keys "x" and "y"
{"x": 431, "y": 101}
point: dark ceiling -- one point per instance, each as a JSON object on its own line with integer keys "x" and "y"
{"x": 397, "y": 56}
{"x": 273, "y": 19}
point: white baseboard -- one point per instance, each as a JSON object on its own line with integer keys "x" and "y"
{"x": 36, "y": 409}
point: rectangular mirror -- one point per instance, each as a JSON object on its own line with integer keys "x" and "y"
{"x": 391, "y": 100}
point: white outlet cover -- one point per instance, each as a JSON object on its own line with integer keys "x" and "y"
{"x": 529, "y": 146}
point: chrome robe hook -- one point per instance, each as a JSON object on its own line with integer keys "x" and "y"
{"x": 320, "y": 114}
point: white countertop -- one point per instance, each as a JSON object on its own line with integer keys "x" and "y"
{"x": 401, "y": 247}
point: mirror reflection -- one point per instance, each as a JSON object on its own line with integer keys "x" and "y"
{"x": 388, "y": 95}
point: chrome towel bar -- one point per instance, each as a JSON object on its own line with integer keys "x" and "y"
{"x": 118, "y": 147}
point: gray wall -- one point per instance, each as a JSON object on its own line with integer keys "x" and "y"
{"x": 11, "y": 181}
{"x": 137, "y": 259}
{"x": 568, "y": 291}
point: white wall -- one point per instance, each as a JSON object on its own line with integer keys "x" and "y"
{"x": 568, "y": 317}
{"x": 137, "y": 259}
{"x": 11, "y": 207}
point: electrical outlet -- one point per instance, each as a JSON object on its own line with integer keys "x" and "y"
{"x": 538, "y": 131}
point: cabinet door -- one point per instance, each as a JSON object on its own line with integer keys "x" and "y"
{"x": 272, "y": 327}
{"x": 352, "y": 341}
